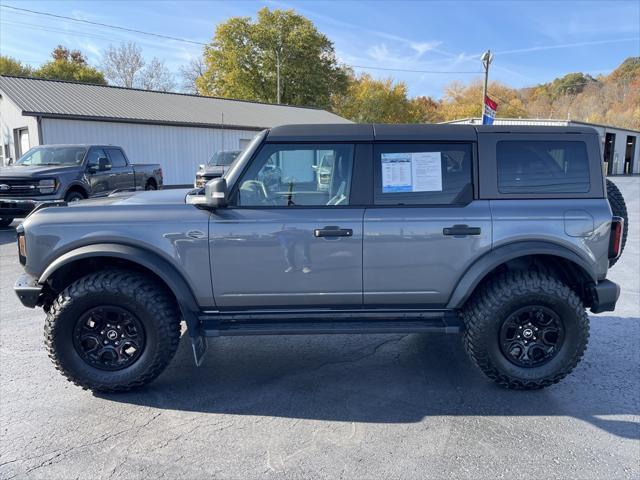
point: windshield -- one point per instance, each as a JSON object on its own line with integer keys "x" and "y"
{"x": 53, "y": 156}
{"x": 223, "y": 159}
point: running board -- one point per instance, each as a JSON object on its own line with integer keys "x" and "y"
{"x": 323, "y": 323}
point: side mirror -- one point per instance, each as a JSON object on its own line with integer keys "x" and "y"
{"x": 215, "y": 192}
{"x": 103, "y": 164}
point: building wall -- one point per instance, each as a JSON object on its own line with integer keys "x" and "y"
{"x": 179, "y": 150}
{"x": 11, "y": 118}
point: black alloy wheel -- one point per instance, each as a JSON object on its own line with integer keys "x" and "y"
{"x": 109, "y": 338}
{"x": 531, "y": 336}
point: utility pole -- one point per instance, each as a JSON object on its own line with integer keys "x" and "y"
{"x": 486, "y": 58}
{"x": 278, "y": 76}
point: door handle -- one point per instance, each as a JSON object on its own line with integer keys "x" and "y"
{"x": 461, "y": 230}
{"x": 332, "y": 232}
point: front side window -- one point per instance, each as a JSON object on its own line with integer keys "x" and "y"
{"x": 298, "y": 175}
{"x": 95, "y": 154}
{"x": 117, "y": 158}
{"x": 422, "y": 174}
{"x": 533, "y": 166}
{"x": 53, "y": 156}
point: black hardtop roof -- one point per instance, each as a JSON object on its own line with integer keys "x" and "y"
{"x": 408, "y": 132}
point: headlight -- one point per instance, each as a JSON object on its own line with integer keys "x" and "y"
{"x": 22, "y": 248}
{"x": 48, "y": 185}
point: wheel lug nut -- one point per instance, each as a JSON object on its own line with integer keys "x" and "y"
{"x": 117, "y": 343}
{"x": 520, "y": 327}
{"x": 105, "y": 342}
{"x": 102, "y": 332}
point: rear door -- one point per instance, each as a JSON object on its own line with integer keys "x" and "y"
{"x": 121, "y": 172}
{"x": 425, "y": 228}
{"x": 288, "y": 240}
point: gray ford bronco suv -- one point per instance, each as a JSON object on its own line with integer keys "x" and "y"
{"x": 502, "y": 234}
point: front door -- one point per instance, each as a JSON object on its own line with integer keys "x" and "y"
{"x": 289, "y": 239}
{"x": 424, "y": 229}
{"x": 121, "y": 172}
{"x": 101, "y": 180}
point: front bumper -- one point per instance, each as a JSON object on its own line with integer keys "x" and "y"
{"x": 16, "y": 208}
{"x": 21, "y": 207}
{"x": 605, "y": 295}
{"x": 28, "y": 290}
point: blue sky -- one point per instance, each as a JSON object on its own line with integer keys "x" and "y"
{"x": 533, "y": 41}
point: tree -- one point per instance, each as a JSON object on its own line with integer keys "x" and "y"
{"x": 156, "y": 76}
{"x": 125, "y": 66}
{"x": 69, "y": 65}
{"x": 11, "y": 66}
{"x": 368, "y": 100}
{"x": 191, "y": 73}
{"x": 121, "y": 65}
{"x": 244, "y": 58}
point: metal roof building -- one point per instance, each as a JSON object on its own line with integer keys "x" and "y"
{"x": 620, "y": 146}
{"x": 178, "y": 131}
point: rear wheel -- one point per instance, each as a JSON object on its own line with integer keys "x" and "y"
{"x": 619, "y": 209}
{"x": 150, "y": 186}
{"x": 5, "y": 222}
{"x": 112, "y": 330}
{"x": 525, "y": 330}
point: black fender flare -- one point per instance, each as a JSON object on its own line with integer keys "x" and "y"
{"x": 145, "y": 258}
{"x": 80, "y": 185}
{"x": 485, "y": 264}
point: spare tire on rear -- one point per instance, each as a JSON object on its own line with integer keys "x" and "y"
{"x": 619, "y": 209}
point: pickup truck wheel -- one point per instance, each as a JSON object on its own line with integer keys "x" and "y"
{"x": 73, "y": 196}
{"x": 525, "y": 330}
{"x": 5, "y": 222}
{"x": 619, "y": 209}
{"x": 150, "y": 186}
{"x": 112, "y": 331}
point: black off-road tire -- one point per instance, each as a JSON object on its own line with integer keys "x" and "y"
{"x": 5, "y": 222}
{"x": 152, "y": 304}
{"x": 488, "y": 308}
{"x": 73, "y": 196}
{"x": 619, "y": 209}
{"x": 150, "y": 186}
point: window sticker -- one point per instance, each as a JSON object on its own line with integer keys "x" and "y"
{"x": 411, "y": 172}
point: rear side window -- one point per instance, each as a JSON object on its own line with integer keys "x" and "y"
{"x": 117, "y": 158}
{"x": 531, "y": 166}
{"x": 422, "y": 174}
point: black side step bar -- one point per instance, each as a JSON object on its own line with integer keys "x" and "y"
{"x": 288, "y": 324}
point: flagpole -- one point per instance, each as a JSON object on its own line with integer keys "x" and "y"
{"x": 486, "y": 58}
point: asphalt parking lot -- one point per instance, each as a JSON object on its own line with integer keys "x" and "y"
{"x": 396, "y": 406}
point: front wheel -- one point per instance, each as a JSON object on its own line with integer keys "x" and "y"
{"x": 525, "y": 330}
{"x": 113, "y": 330}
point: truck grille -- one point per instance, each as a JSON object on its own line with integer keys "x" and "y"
{"x": 17, "y": 187}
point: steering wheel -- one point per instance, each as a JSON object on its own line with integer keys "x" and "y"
{"x": 257, "y": 191}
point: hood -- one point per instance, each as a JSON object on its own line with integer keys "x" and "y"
{"x": 28, "y": 171}
{"x": 214, "y": 170}
{"x": 153, "y": 197}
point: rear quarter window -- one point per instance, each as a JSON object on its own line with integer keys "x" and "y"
{"x": 534, "y": 166}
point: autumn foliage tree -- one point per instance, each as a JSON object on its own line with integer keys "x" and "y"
{"x": 69, "y": 65}
{"x": 243, "y": 59}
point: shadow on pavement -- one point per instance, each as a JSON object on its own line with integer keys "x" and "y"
{"x": 382, "y": 379}
{"x": 8, "y": 234}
